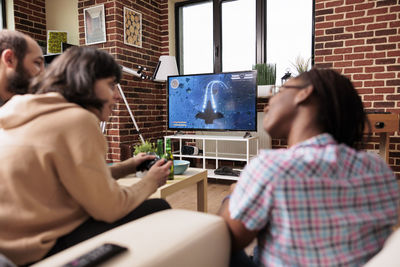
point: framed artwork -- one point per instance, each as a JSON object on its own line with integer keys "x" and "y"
{"x": 95, "y": 25}
{"x": 55, "y": 40}
{"x": 132, "y": 27}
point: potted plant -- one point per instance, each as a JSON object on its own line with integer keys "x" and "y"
{"x": 266, "y": 78}
{"x": 144, "y": 147}
{"x": 301, "y": 64}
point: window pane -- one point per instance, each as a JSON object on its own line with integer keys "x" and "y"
{"x": 238, "y": 35}
{"x": 289, "y": 34}
{"x": 197, "y": 38}
{"x": 2, "y": 7}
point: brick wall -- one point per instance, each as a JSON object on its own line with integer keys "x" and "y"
{"x": 30, "y": 18}
{"x": 147, "y": 99}
{"x": 361, "y": 39}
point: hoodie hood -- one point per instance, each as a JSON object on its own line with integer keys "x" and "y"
{"x": 20, "y": 109}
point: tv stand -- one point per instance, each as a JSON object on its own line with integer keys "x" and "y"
{"x": 215, "y": 154}
{"x": 179, "y": 133}
{"x": 247, "y": 134}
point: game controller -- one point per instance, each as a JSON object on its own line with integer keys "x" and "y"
{"x": 147, "y": 164}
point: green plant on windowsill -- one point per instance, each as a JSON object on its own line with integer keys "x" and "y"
{"x": 266, "y": 73}
{"x": 266, "y": 78}
{"x": 144, "y": 147}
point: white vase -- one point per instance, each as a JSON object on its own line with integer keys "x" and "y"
{"x": 265, "y": 90}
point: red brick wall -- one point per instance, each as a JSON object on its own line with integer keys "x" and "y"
{"x": 361, "y": 39}
{"x": 30, "y": 18}
{"x": 147, "y": 99}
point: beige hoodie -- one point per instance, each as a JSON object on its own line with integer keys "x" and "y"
{"x": 53, "y": 175}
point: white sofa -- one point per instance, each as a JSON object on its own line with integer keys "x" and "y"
{"x": 170, "y": 238}
{"x": 181, "y": 238}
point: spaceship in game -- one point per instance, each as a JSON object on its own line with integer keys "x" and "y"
{"x": 209, "y": 115}
{"x": 209, "y": 112}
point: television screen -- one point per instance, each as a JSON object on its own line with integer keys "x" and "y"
{"x": 222, "y": 101}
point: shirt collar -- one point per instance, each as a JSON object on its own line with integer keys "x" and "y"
{"x": 319, "y": 140}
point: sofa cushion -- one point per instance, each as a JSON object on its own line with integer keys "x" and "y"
{"x": 168, "y": 238}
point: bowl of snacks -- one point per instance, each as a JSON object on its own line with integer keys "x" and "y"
{"x": 180, "y": 166}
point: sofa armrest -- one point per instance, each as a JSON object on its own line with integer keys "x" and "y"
{"x": 168, "y": 238}
{"x": 389, "y": 256}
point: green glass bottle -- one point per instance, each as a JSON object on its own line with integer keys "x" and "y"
{"x": 160, "y": 148}
{"x": 168, "y": 156}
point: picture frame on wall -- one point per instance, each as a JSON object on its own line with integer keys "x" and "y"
{"x": 55, "y": 40}
{"x": 95, "y": 25}
{"x": 132, "y": 27}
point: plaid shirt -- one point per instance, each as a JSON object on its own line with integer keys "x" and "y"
{"x": 317, "y": 204}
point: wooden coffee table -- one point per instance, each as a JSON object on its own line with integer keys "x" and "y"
{"x": 189, "y": 177}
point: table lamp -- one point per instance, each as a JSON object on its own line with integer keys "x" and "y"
{"x": 166, "y": 67}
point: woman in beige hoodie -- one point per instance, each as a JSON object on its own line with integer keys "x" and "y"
{"x": 55, "y": 187}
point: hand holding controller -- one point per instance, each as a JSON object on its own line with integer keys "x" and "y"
{"x": 147, "y": 164}
{"x": 159, "y": 172}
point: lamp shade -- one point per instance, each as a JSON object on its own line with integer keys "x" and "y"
{"x": 166, "y": 67}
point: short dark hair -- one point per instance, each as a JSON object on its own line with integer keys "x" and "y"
{"x": 74, "y": 73}
{"x": 16, "y": 41}
{"x": 340, "y": 109}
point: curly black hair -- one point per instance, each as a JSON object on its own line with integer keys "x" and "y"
{"x": 340, "y": 109}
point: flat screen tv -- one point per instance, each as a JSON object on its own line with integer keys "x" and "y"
{"x": 213, "y": 102}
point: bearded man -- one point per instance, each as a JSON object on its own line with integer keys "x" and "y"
{"x": 21, "y": 59}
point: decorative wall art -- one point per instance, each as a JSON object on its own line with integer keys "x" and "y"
{"x": 95, "y": 28}
{"x": 55, "y": 40}
{"x": 132, "y": 27}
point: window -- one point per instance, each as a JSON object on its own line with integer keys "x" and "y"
{"x": 233, "y": 35}
{"x": 2, "y": 14}
{"x": 289, "y": 34}
{"x": 196, "y": 38}
{"x": 238, "y": 35}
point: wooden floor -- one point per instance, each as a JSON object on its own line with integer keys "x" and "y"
{"x": 187, "y": 198}
{"x": 217, "y": 190}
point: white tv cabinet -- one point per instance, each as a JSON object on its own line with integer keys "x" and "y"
{"x": 215, "y": 154}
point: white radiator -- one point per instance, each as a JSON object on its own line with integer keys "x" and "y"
{"x": 232, "y": 147}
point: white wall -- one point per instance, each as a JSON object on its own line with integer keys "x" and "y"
{"x": 62, "y": 15}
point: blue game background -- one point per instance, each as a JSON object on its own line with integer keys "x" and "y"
{"x": 237, "y": 102}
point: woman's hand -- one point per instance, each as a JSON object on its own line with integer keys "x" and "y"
{"x": 158, "y": 173}
{"x": 129, "y": 166}
{"x": 140, "y": 158}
